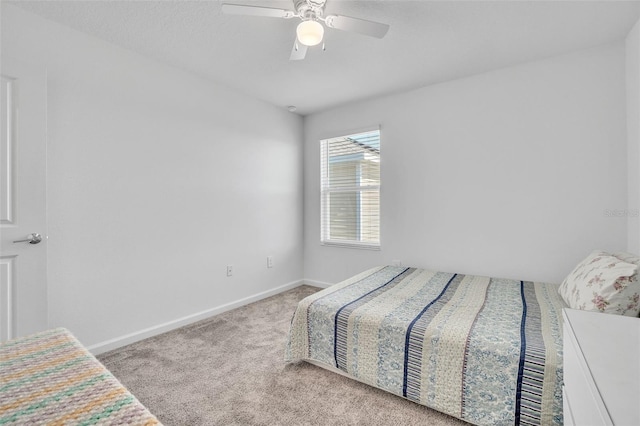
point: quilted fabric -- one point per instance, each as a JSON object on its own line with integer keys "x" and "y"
{"x": 49, "y": 378}
{"x": 486, "y": 350}
{"x": 605, "y": 283}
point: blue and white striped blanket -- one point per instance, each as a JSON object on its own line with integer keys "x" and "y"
{"x": 485, "y": 350}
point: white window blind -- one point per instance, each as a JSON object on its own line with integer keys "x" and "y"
{"x": 350, "y": 190}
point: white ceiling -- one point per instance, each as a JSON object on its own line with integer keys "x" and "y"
{"x": 429, "y": 41}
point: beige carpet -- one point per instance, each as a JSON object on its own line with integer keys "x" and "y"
{"x": 229, "y": 370}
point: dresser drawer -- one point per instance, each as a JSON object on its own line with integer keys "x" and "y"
{"x": 566, "y": 409}
{"x": 579, "y": 390}
{"x": 581, "y": 397}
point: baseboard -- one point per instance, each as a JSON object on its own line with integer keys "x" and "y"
{"x": 127, "y": 339}
{"x": 314, "y": 283}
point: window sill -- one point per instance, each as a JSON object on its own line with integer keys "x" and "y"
{"x": 353, "y": 245}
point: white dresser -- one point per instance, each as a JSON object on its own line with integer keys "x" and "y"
{"x": 601, "y": 363}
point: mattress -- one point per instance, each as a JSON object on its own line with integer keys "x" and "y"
{"x": 50, "y": 378}
{"x": 485, "y": 350}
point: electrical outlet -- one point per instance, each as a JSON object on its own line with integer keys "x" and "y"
{"x": 229, "y": 270}
{"x": 396, "y": 263}
{"x": 269, "y": 261}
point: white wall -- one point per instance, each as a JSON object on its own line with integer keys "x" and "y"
{"x": 157, "y": 180}
{"x": 633, "y": 135}
{"x": 506, "y": 174}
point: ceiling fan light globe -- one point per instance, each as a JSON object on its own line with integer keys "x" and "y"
{"x": 310, "y": 32}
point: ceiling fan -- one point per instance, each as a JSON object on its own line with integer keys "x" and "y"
{"x": 310, "y": 31}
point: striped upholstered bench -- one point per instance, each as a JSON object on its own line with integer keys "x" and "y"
{"x": 49, "y": 378}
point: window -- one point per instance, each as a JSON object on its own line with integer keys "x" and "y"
{"x": 350, "y": 190}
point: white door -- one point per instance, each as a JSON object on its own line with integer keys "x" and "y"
{"x": 23, "y": 265}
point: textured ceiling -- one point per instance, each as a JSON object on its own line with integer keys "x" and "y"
{"x": 428, "y": 42}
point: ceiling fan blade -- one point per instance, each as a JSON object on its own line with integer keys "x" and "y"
{"x": 362, "y": 26}
{"x": 239, "y": 9}
{"x": 298, "y": 52}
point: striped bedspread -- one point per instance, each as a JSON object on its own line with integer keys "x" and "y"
{"x": 49, "y": 378}
{"x": 485, "y": 350}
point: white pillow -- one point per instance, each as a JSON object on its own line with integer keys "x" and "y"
{"x": 603, "y": 282}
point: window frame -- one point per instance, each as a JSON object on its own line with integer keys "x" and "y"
{"x": 325, "y": 191}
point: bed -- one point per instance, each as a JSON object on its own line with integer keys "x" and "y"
{"x": 50, "y": 378}
{"x": 485, "y": 350}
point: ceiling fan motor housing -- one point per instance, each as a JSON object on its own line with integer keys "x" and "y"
{"x": 309, "y": 9}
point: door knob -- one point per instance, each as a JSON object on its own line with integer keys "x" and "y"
{"x": 31, "y": 239}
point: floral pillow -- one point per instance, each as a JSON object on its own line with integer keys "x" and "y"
{"x": 628, "y": 257}
{"x": 603, "y": 282}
